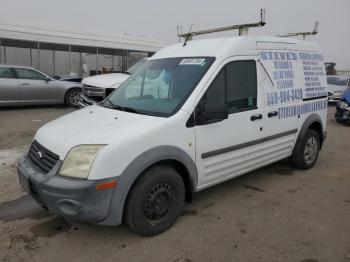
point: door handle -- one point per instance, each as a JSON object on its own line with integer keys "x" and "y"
{"x": 272, "y": 114}
{"x": 25, "y": 84}
{"x": 256, "y": 117}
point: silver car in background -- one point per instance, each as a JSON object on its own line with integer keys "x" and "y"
{"x": 23, "y": 85}
{"x": 336, "y": 86}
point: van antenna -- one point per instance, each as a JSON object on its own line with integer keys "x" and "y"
{"x": 304, "y": 34}
{"x": 188, "y": 36}
{"x": 243, "y": 28}
{"x": 179, "y": 31}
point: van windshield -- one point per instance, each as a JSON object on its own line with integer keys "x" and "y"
{"x": 133, "y": 68}
{"x": 159, "y": 87}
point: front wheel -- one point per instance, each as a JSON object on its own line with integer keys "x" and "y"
{"x": 155, "y": 201}
{"x": 306, "y": 154}
{"x": 72, "y": 97}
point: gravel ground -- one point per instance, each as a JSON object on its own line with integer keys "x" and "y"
{"x": 276, "y": 213}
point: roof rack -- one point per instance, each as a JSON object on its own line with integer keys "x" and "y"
{"x": 304, "y": 34}
{"x": 243, "y": 28}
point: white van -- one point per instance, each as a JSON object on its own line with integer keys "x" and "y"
{"x": 193, "y": 116}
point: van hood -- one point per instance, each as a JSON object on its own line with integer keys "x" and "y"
{"x": 91, "y": 125}
{"x": 106, "y": 80}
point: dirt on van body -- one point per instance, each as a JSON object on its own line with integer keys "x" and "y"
{"x": 276, "y": 213}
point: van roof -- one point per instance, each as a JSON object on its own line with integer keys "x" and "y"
{"x": 229, "y": 46}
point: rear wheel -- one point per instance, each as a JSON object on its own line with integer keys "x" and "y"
{"x": 306, "y": 154}
{"x": 72, "y": 97}
{"x": 155, "y": 201}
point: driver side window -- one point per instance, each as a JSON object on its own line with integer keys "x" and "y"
{"x": 235, "y": 86}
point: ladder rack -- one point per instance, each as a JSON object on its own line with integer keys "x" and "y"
{"x": 304, "y": 34}
{"x": 243, "y": 28}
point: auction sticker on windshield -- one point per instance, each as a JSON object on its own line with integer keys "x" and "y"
{"x": 193, "y": 61}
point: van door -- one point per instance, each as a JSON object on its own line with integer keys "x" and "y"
{"x": 282, "y": 96}
{"x": 228, "y": 148}
{"x": 8, "y": 86}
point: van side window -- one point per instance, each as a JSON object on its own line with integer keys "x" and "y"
{"x": 235, "y": 85}
{"x": 241, "y": 85}
{"x": 216, "y": 93}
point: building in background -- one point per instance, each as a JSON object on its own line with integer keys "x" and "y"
{"x": 70, "y": 51}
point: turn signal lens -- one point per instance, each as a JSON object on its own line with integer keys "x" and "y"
{"x": 106, "y": 185}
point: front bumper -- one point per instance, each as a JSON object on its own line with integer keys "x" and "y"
{"x": 74, "y": 199}
{"x": 335, "y": 98}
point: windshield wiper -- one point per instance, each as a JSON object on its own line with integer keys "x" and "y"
{"x": 122, "y": 108}
{"x": 111, "y": 105}
{"x": 126, "y": 109}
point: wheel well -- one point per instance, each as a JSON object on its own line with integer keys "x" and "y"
{"x": 74, "y": 87}
{"x": 316, "y": 126}
{"x": 185, "y": 175}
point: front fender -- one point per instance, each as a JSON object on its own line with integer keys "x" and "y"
{"x": 136, "y": 168}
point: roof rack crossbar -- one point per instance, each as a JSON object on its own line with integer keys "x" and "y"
{"x": 243, "y": 28}
{"x": 304, "y": 34}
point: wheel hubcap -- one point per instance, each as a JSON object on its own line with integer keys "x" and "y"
{"x": 158, "y": 201}
{"x": 74, "y": 98}
{"x": 311, "y": 149}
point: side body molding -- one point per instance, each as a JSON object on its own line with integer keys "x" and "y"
{"x": 135, "y": 169}
{"x": 307, "y": 123}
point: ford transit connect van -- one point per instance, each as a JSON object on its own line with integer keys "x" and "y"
{"x": 191, "y": 117}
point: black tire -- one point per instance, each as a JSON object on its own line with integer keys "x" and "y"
{"x": 306, "y": 153}
{"x": 72, "y": 97}
{"x": 155, "y": 201}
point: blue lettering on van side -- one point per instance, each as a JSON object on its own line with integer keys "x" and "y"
{"x": 300, "y": 109}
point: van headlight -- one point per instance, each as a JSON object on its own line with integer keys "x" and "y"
{"x": 79, "y": 160}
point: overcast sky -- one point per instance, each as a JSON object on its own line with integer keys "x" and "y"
{"x": 159, "y": 18}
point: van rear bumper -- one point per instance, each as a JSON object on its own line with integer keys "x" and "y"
{"x": 74, "y": 199}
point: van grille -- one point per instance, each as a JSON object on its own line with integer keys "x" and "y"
{"x": 42, "y": 158}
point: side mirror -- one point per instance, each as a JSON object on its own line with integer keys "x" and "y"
{"x": 47, "y": 79}
{"x": 213, "y": 113}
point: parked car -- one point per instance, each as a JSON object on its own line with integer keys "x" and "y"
{"x": 23, "y": 85}
{"x": 342, "y": 113}
{"x": 336, "y": 87}
{"x": 71, "y": 78}
{"x": 191, "y": 117}
{"x": 97, "y": 88}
